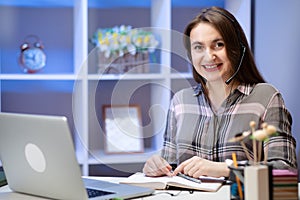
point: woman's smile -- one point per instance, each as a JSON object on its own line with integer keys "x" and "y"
{"x": 212, "y": 67}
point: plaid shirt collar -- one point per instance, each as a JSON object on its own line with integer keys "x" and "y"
{"x": 242, "y": 88}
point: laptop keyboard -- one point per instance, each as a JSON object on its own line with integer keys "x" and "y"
{"x": 96, "y": 193}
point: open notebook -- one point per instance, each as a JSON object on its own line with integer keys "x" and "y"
{"x": 164, "y": 182}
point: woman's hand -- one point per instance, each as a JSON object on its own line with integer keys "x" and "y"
{"x": 196, "y": 167}
{"x": 157, "y": 166}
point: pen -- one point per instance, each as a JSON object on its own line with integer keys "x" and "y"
{"x": 189, "y": 178}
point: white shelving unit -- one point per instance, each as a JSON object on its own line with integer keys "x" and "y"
{"x": 84, "y": 106}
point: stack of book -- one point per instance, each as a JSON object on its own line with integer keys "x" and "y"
{"x": 285, "y": 184}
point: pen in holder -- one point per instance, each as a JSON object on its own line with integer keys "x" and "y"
{"x": 237, "y": 185}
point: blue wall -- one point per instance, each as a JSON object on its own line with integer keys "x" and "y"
{"x": 277, "y": 51}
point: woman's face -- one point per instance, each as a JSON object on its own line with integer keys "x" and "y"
{"x": 208, "y": 52}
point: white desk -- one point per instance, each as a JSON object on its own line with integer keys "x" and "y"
{"x": 222, "y": 194}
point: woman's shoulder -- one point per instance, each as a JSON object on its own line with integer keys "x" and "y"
{"x": 265, "y": 88}
{"x": 263, "y": 93}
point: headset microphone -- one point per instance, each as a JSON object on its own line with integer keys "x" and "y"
{"x": 239, "y": 66}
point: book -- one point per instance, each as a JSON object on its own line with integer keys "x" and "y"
{"x": 285, "y": 184}
{"x": 284, "y": 173}
{"x": 165, "y": 182}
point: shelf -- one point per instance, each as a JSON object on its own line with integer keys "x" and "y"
{"x": 94, "y": 77}
{"x": 39, "y": 77}
{"x": 184, "y": 75}
{"x": 125, "y": 77}
{"x": 153, "y": 76}
{"x": 37, "y": 3}
{"x": 99, "y": 157}
{"x": 108, "y": 4}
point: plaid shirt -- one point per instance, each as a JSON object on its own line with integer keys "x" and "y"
{"x": 194, "y": 129}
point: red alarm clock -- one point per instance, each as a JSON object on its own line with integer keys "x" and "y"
{"x": 32, "y": 57}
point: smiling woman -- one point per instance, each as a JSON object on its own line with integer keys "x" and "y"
{"x": 230, "y": 93}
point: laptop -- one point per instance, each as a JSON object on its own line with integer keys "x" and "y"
{"x": 38, "y": 158}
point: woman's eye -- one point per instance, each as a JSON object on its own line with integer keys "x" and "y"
{"x": 198, "y": 48}
{"x": 219, "y": 45}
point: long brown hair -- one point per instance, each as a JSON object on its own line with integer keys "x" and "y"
{"x": 234, "y": 38}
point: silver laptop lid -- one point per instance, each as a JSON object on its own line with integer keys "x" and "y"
{"x": 33, "y": 157}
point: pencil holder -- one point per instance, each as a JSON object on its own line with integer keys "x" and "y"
{"x": 258, "y": 182}
{"x": 251, "y": 182}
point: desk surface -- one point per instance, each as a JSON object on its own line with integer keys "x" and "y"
{"x": 222, "y": 194}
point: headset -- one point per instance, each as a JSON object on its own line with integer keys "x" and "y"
{"x": 243, "y": 47}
